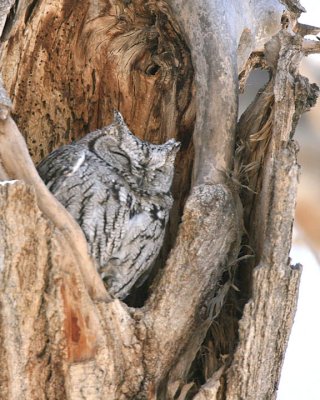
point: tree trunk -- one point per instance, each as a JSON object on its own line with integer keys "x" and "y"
{"x": 215, "y": 320}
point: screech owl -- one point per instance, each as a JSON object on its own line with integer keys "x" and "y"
{"x": 117, "y": 187}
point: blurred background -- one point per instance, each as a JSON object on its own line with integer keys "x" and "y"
{"x": 300, "y": 377}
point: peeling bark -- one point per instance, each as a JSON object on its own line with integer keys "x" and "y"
{"x": 264, "y": 327}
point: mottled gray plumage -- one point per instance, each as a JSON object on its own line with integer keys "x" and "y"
{"x": 117, "y": 187}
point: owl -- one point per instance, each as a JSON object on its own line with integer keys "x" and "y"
{"x": 117, "y": 187}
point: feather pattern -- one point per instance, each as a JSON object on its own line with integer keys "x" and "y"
{"x": 117, "y": 187}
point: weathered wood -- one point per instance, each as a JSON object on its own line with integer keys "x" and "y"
{"x": 103, "y": 337}
{"x": 217, "y": 64}
{"x": 52, "y": 333}
{"x": 209, "y": 238}
{"x": 17, "y": 164}
{"x": 66, "y": 65}
{"x": 71, "y": 309}
{"x": 267, "y": 145}
{"x": 264, "y": 327}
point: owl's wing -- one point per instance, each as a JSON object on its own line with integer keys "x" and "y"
{"x": 92, "y": 192}
{"x": 61, "y": 163}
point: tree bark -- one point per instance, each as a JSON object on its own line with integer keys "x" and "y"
{"x": 171, "y": 69}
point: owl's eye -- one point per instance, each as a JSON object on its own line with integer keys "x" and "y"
{"x": 123, "y": 158}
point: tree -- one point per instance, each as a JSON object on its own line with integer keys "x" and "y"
{"x": 215, "y": 321}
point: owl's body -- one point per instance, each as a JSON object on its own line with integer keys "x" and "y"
{"x": 117, "y": 187}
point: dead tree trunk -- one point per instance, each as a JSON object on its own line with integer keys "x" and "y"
{"x": 216, "y": 320}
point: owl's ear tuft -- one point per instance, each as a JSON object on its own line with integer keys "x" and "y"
{"x": 172, "y": 146}
{"x": 118, "y": 118}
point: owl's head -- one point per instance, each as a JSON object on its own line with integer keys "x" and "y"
{"x": 119, "y": 148}
{"x": 147, "y": 166}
